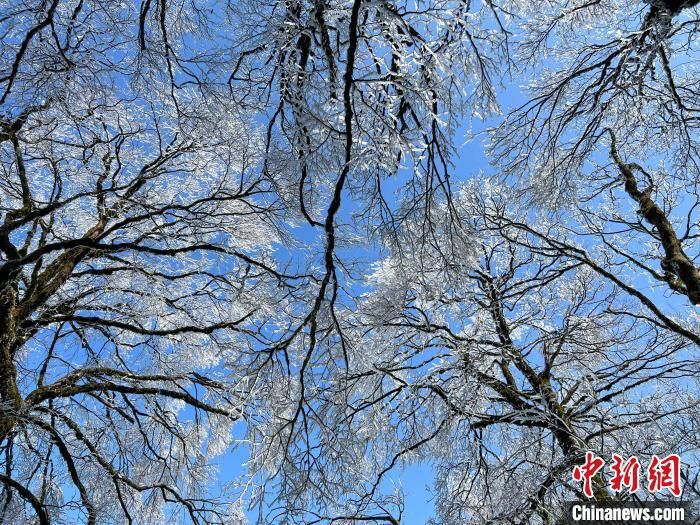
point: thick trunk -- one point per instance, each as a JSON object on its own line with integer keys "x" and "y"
{"x": 10, "y": 398}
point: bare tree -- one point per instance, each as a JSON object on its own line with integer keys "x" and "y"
{"x": 555, "y": 323}
{"x": 610, "y": 133}
{"x": 144, "y": 308}
{"x": 244, "y": 217}
{"x": 504, "y": 370}
{"x": 135, "y": 253}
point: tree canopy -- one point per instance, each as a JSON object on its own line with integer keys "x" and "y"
{"x": 250, "y": 228}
